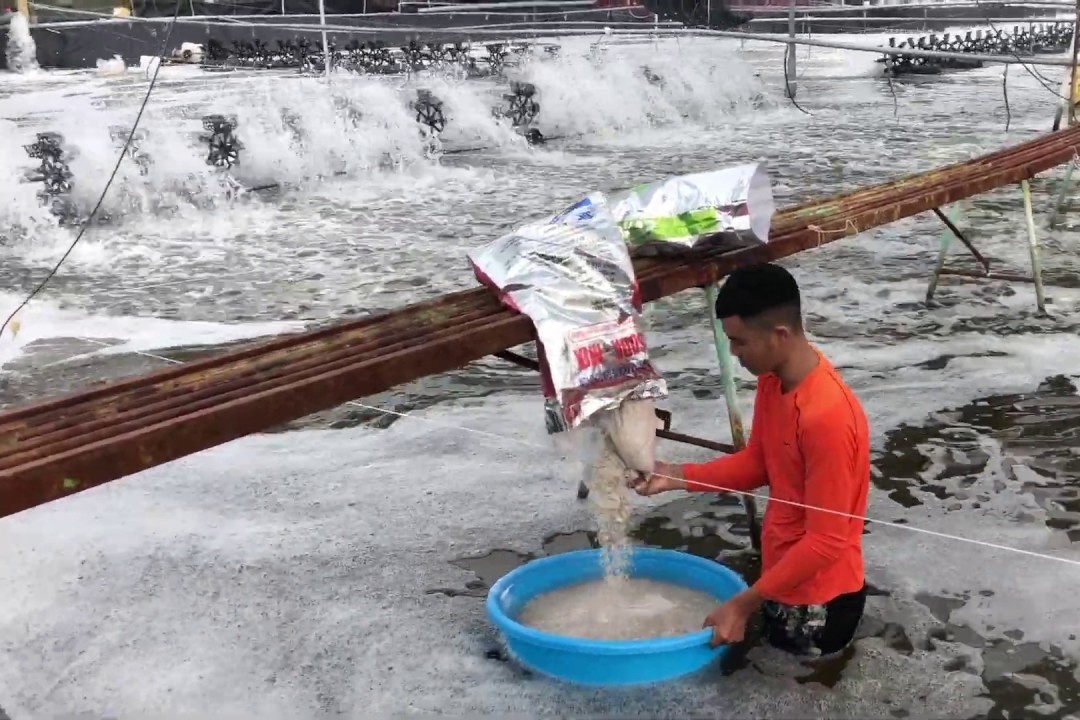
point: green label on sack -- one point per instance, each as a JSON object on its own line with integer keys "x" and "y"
{"x": 672, "y": 227}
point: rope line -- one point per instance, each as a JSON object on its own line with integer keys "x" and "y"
{"x": 718, "y": 488}
{"x": 767, "y": 498}
{"x": 521, "y": 441}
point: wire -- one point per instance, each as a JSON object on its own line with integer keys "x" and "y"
{"x": 108, "y": 184}
{"x": 1038, "y": 76}
{"x": 767, "y": 498}
{"x": 787, "y": 81}
{"x": 717, "y": 488}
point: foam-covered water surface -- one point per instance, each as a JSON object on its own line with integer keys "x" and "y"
{"x": 289, "y": 574}
{"x": 336, "y": 572}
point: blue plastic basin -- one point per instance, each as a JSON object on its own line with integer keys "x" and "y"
{"x": 608, "y": 662}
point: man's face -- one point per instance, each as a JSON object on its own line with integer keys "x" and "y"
{"x": 756, "y": 346}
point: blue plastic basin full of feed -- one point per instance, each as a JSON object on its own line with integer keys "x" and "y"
{"x": 608, "y": 662}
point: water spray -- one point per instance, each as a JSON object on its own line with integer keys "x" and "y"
{"x": 519, "y": 108}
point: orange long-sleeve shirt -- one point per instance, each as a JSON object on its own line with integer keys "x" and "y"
{"x": 810, "y": 446}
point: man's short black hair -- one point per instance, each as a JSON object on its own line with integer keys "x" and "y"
{"x": 761, "y": 292}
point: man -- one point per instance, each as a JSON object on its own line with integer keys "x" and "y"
{"x": 809, "y": 444}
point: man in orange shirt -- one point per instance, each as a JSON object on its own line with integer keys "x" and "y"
{"x": 809, "y": 443}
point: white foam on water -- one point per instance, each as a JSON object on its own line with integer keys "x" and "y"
{"x": 289, "y": 574}
{"x": 42, "y": 320}
{"x": 300, "y": 130}
{"x": 698, "y": 84}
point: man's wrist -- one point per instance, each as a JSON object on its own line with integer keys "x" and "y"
{"x": 673, "y": 475}
{"x": 677, "y": 471}
{"x": 748, "y": 600}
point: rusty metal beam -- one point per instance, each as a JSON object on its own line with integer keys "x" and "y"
{"x": 58, "y": 447}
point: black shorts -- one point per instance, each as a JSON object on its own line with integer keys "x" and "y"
{"x": 814, "y": 630}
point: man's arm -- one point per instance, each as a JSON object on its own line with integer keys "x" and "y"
{"x": 741, "y": 471}
{"x": 834, "y": 489}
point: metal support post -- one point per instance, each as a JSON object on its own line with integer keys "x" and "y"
{"x": 1033, "y": 248}
{"x": 325, "y": 45}
{"x": 985, "y": 273}
{"x": 1059, "y": 200}
{"x": 1068, "y": 97}
{"x": 1072, "y": 72}
{"x": 946, "y": 242}
{"x": 727, "y": 379}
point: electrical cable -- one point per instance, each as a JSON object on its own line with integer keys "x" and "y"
{"x": 101, "y": 199}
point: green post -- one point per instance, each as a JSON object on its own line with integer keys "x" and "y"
{"x": 1059, "y": 201}
{"x": 1033, "y": 248}
{"x": 727, "y": 379}
{"x": 943, "y": 250}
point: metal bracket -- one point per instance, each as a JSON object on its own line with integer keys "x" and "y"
{"x": 967, "y": 243}
{"x": 519, "y": 360}
{"x": 986, "y": 273}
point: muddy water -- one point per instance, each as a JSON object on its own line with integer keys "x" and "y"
{"x": 939, "y": 460}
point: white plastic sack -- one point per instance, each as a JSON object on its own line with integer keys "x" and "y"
{"x": 732, "y": 206}
{"x": 573, "y": 277}
{"x": 631, "y": 428}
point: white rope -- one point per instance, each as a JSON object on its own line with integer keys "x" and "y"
{"x": 767, "y": 498}
{"x": 539, "y": 28}
{"x": 457, "y": 9}
{"x": 882, "y": 50}
{"x": 236, "y": 21}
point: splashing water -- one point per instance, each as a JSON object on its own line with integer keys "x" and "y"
{"x": 299, "y": 131}
{"x": 21, "y": 49}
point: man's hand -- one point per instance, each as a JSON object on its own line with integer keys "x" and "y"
{"x": 665, "y": 477}
{"x": 728, "y": 621}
